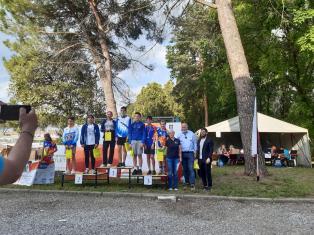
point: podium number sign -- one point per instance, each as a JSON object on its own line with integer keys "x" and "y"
{"x": 78, "y": 178}
{"x": 113, "y": 172}
{"x": 148, "y": 180}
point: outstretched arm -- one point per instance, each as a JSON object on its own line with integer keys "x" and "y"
{"x": 19, "y": 155}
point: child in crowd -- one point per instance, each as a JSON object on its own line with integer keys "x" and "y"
{"x": 50, "y": 148}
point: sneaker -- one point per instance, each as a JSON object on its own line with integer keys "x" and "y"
{"x": 134, "y": 172}
{"x": 120, "y": 164}
{"x": 92, "y": 172}
{"x": 102, "y": 166}
{"x": 154, "y": 172}
{"x": 170, "y": 189}
{"x": 67, "y": 172}
{"x": 108, "y": 165}
{"x": 86, "y": 171}
{"x": 73, "y": 172}
{"x": 139, "y": 172}
{"x": 149, "y": 172}
{"x": 192, "y": 188}
{"x": 160, "y": 173}
{"x": 123, "y": 164}
{"x": 175, "y": 189}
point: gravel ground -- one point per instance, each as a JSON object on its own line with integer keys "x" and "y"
{"x": 49, "y": 213}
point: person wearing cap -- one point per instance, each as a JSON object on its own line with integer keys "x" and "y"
{"x": 90, "y": 136}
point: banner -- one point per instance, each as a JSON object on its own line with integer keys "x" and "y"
{"x": 37, "y": 173}
{"x": 45, "y": 174}
{"x": 28, "y": 176}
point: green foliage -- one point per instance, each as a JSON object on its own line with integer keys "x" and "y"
{"x": 281, "y": 59}
{"x": 58, "y": 50}
{"x": 56, "y": 92}
{"x": 197, "y": 60}
{"x": 156, "y": 100}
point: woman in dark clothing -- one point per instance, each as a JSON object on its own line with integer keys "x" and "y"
{"x": 204, "y": 152}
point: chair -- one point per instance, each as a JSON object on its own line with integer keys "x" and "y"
{"x": 233, "y": 159}
{"x": 293, "y": 161}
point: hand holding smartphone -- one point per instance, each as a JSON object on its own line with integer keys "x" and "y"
{"x": 12, "y": 112}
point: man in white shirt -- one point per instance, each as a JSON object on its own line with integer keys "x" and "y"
{"x": 189, "y": 146}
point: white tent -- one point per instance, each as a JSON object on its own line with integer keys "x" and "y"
{"x": 272, "y": 132}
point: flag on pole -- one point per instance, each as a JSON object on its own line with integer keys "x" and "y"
{"x": 254, "y": 132}
{"x": 254, "y": 150}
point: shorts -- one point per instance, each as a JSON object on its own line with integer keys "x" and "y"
{"x": 121, "y": 140}
{"x": 136, "y": 146}
{"x": 149, "y": 150}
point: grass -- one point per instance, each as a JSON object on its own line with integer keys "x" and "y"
{"x": 227, "y": 181}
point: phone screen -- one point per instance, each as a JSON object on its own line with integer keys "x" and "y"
{"x": 12, "y": 112}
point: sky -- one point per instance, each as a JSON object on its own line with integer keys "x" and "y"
{"x": 4, "y": 76}
{"x": 136, "y": 77}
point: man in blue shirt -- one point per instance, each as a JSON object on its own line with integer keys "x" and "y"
{"x": 122, "y": 127}
{"x": 189, "y": 147}
{"x": 137, "y": 140}
{"x": 149, "y": 146}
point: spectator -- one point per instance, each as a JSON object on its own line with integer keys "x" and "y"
{"x": 12, "y": 167}
{"x": 284, "y": 156}
{"x": 223, "y": 154}
{"x": 274, "y": 154}
{"x": 50, "y": 148}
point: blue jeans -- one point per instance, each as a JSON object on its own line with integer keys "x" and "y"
{"x": 173, "y": 172}
{"x": 188, "y": 169}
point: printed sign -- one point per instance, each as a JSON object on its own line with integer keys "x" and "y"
{"x": 78, "y": 178}
{"x": 148, "y": 180}
{"x": 113, "y": 172}
{"x": 45, "y": 174}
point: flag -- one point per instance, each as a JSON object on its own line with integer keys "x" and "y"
{"x": 254, "y": 132}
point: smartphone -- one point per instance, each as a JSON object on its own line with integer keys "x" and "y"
{"x": 12, "y": 112}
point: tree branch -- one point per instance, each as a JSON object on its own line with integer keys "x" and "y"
{"x": 203, "y": 2}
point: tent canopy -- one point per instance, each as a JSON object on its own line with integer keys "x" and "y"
{"x": 272, "y": 132}
{"x": 265, "y": 124}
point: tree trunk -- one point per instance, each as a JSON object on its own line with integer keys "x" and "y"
{"x": 206, "y": 110}
{"x": 105, "y": 72}
{"x": 245, "y": 89}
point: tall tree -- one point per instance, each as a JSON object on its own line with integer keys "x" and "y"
{"x": 102, "y": 31}
{"x": 244, "y": 86}
{"x": 55, "y": 93}
{"x": 156, "y": 100}
{"x": 197, "y": 61}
